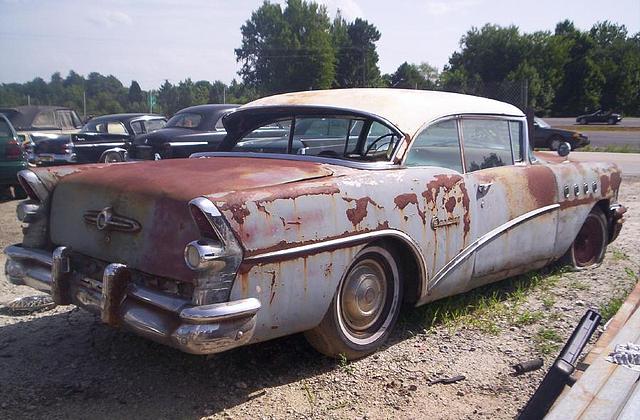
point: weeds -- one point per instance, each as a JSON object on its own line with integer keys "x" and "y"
{"x": 528, "y": 317}
{"x": 611, "y": 148}
{"x": 345, "y": 365}
{"x": 618, "y": 255}
{"x": 609, "y": 308}
{"x": 548, "y": 301}
{"x": 547, "y": 340}
{"x": 309, "y": 394}
{"x": 578, "y": 285}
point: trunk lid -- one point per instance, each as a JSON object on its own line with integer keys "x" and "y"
{"x": 155, "y": 196}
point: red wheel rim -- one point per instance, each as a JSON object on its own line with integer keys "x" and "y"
{"x": 589, "y": 242}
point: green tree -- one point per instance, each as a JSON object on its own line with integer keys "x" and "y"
{"x": 287, "y": 50}
{"x": 409, "y": 76}
{"x": 356, "y": 55}
{"x": 168, "y": 98}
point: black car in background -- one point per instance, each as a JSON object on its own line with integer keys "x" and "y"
{"x": 52, "y": 125}
{"x": 194, "y": 129}
{"x": 599, "y": 116}
{"x": 107, "y": 138}
{"x": 545, "y": 136}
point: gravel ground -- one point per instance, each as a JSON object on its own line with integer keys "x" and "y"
{"x": 63, "y": 363}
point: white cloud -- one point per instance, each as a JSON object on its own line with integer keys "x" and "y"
{"x": 443, "y": 7}
{"x": 350, "y": 9}
{"x": 111, "y": 19}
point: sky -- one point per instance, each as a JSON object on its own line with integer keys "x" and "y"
{"x": 153, "y": 40}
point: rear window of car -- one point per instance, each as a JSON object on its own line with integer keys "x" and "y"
{"x": 153, "y": 125}
{"x": 487, "y": 143}
{"x": 185, "y": 120}
{"x": 45, "y": 119}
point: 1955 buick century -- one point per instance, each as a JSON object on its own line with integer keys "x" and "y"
{"x": 361, "y": 201}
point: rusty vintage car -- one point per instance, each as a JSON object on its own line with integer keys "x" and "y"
{"x": 386, "y": 197}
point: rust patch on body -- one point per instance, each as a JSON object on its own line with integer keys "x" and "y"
{"x": 541, "y": 183}
{"x": 239, "y": 211}
{"x": 403, "y": 200}
{"x": 450, "y": 204}
{"x": 357, "y": 214}
{"x": 604, "y": 185}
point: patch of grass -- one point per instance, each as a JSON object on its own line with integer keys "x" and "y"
{"x": 618, "y": 255}
{"x": 309, "y": 394}
{"x": 611, "y": 148}
{"x": 631, "y": 274}
{"x": 579, "y": 285}
{"x": 528, "y": 317}
{"x": 548, "y": 301}
{"x": 609, "y": 308}
{"x": 345, "y": 365}
{"x": 548, "y": 340}
{"x": 484, "y": 307}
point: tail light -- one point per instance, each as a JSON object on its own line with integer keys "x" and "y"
{"x": 13, "y": 150}
{"x": 215, "y": 256}
{"x": 32, "y": 185}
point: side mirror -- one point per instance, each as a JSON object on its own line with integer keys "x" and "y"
{"x": 564, "y": 148}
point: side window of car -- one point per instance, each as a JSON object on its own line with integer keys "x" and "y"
{"x": 487, "y": 144}
{"x": 65, "y": 120}
{"x": 5, "y": 131}
{"x": 265, "y": 139}
{"x": 515, "y": 131}
{"x": 137, "y": 127}
{"x": 45, "y": 119}
{"x": 437, "y": 145}
{"x": 116, "y": 127}
{"x": 380, "y": 141}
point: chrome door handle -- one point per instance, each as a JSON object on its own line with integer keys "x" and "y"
{"x": 483, "y": 189}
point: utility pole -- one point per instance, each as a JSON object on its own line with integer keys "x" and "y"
{"x": 224, "y": 94}
{"x": 84, "y": 104}
{"x": 28, "y": 99}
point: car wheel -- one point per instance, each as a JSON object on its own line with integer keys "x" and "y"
{"x": 113, "y": 157}
{"x": 583, "y": 121}
{"x": 364, "y": 309}
{"x": 611, "y": 121}
{"x": 589, "y": 246}
{"x": 554, "y": 142}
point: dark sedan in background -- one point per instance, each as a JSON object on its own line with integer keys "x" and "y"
{"x": 599, "y": 116}
{"x": 547, "y": 137}
{"x": 108, "y": 138}
{"x": 36, "y": 124}
{"x": 12, "y": 159}
{"x": 195, "y": 129}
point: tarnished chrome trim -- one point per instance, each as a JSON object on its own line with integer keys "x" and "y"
{"x": 27, "y": 211}
{"x": 220, "y": 311}
{"x": 187, "y": 143}
{"x": 210, "y": 255}
{"x": 115, "y": 280}
{"x": 18, "y": 252}
{"x": 302, "y": 158}
{"x": 484, "y": 240}
{"x": 349, "y": 240}
{"x": 106, "y": 219}
{"x": 60, "y": 271}
{"x": 121, "y": 151}
{"x": 34, "y": 182}
{"x": 158, "y": 299}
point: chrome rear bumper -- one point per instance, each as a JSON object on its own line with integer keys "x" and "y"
{"x": 161, "y": 317}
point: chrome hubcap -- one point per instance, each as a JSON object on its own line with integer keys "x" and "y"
{"x": 364, "y": 296}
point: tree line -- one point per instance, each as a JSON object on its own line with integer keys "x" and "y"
{"x": 297, "y": 46}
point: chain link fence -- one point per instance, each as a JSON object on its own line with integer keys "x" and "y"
{"x": 513, "y": 92}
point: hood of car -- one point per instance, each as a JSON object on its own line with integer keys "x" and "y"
{"x": 154, "y": 196}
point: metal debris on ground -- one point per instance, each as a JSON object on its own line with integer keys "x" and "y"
{"x": 451, "y": 380}
{"x": 30, "y": 304}
{"x": 627, "y": 355}
{"x": 528, "y": 366}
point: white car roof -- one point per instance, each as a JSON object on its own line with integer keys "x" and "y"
{"x": 407, "y": 109}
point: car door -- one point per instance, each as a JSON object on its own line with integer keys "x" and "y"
{"x": 442, "y": 200}
{"x": 514, "y": 203}
{"x": 90, "y": 145}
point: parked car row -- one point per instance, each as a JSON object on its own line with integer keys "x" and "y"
{"x": 321, "y": 212}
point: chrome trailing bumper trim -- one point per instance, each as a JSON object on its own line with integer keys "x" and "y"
{"x": 54, "y": 157}
{"x": 170, "y": 320}
{"x": 616, "y": 219}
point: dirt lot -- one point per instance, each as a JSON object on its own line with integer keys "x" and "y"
{"x": 64, "y": 364}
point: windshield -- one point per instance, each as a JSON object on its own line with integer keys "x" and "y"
{"x": 185, "y": 120}
{"x": 541, "y": 123}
